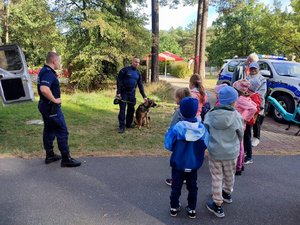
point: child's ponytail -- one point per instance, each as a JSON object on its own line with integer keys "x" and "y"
{"x": 196, "y": 82}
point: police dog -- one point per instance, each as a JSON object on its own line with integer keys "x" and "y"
{"x": 142, "y": 117}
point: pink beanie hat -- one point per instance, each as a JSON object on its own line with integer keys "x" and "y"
{"x": 218, "y": 87}
{"x": 242, "y": 85}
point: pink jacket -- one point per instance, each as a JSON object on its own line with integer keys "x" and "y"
{"x": 246, "y": 107}
{"x": 195, "y": 94}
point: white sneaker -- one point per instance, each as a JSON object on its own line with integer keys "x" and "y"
{"x": 255, "y": 142}
{"x": 247, "y": 162}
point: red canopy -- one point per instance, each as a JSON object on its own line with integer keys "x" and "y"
{"x": 170, "y": 56}
{"x": 163, "y": 57}
{"x": 167, "y": 56}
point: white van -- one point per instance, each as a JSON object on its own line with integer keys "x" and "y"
{"x": 15, "y": 82}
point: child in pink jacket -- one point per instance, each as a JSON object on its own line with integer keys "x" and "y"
{"x": 198, "y": 92}
{"x": 247, "y": 108}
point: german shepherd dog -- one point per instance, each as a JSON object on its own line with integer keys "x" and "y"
{"x": 142, "y": 117}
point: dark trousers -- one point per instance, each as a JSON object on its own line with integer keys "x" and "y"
{"x": 247, "y": 142}
{"x": 257, "y": 126}
{"x": 191, "y": 184}
{"x": 130, "y": 98}
{"x": 54, "y": 126}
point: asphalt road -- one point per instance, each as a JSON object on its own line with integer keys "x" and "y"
{"x": 131, "y": 190}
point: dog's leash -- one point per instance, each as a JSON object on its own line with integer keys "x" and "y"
{"x": 128, "y": 101}
{"x": 117, "y": 101}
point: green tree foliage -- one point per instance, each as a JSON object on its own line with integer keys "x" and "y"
{"x": 100, "y": 37}
{"x": 169, "y": 43}
{"x": 284, "y": 29}
{"x": 253, "y": 27}
{"x": 176, "y": 3}
{"x": 230, "y": 6}
{"x": 182, "y": 38}
{"x": 186, "y": 39}
{"x": 32, "y": 26}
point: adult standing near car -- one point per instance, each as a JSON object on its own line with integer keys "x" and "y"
{"x": 128, "y": 79}
{"x": 242, "y": 71}
{"x": 50, "y": 108}
{"x": 259, "y": 85}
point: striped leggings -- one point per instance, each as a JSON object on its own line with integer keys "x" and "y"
{"x": 222, "y": 174}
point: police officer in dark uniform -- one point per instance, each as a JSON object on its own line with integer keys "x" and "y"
{"x": 128, "y": 79}
{"x": 50, "y": 108}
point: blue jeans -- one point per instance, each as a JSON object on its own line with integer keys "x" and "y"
{"x": 54, "y": 126}
{"x": 130, "y": 97}
{"x": 178, "y": 177}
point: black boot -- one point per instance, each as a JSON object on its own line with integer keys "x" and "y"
{"x": 67, "y": 161}
{"x": 51, "y": 157}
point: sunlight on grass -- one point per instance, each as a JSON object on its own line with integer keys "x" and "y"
{"x": 93, "y": 125}
{"x": 210, "y": 82}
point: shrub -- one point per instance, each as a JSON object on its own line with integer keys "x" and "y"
{"x": 90, "y": 72}
{"x": 179, "y": 69}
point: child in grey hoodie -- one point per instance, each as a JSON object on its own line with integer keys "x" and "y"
{"x": 225, "y": 126}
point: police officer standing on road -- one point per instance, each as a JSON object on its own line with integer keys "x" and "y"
{"x": 50, "y": 108}
{"x": 128, "y": 79}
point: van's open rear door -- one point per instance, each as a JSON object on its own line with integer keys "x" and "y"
{"x": 15, "y": 82}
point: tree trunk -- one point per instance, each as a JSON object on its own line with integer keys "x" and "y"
{"x": 155, "y": 41}
{"x": 1, "y": 20}
{"x": 197, "y": 41}
{"x": 0, "y": 29}
{"x": 203, "y": 38}
{"x": 122, "y": 9}
{"x": 5, "y": 15}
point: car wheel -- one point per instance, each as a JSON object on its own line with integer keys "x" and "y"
{"x": 287, "y": 103}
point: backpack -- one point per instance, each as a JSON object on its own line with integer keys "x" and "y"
{"x": 255, "y": 98}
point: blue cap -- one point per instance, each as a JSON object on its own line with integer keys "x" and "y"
{"x": 227, "y": 95}
{"x": 189, "y": 107}
{"x": 254, "y": 65}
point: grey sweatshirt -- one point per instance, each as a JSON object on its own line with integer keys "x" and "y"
{"x": 225, "y": 126}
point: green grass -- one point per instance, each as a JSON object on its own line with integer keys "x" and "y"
{"x": 93, "y": 125}
{"x": 210, "y": 82}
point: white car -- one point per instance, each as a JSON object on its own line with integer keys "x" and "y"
{"x": 15, "y": 82}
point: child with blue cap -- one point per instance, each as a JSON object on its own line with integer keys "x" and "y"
{"x": 225, "y": 126}
{"x": 187, "y": 140}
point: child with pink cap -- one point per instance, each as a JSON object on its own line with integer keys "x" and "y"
{"x": 247, "y": 108}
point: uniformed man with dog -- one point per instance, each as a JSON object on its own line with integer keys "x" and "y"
{"x": 128, "y": 79}
{"x": 50, "y": 108}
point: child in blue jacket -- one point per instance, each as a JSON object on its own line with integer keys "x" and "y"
{"x": 187, "y": 140}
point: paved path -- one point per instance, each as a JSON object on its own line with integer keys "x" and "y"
{"x": 131, "y": 191}
{"x": 275, "y": 140}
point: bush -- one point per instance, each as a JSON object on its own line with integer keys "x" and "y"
{"x": 90, "y": 72}
{"x": 179, "y": 69}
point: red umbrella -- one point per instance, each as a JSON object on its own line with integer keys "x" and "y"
{"x": 163, "y": 57}
{"x": 168, "y": 56}
{"x": 172, "y": 55}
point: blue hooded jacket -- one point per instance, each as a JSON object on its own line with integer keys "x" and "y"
{"x": 187, "y": 141}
